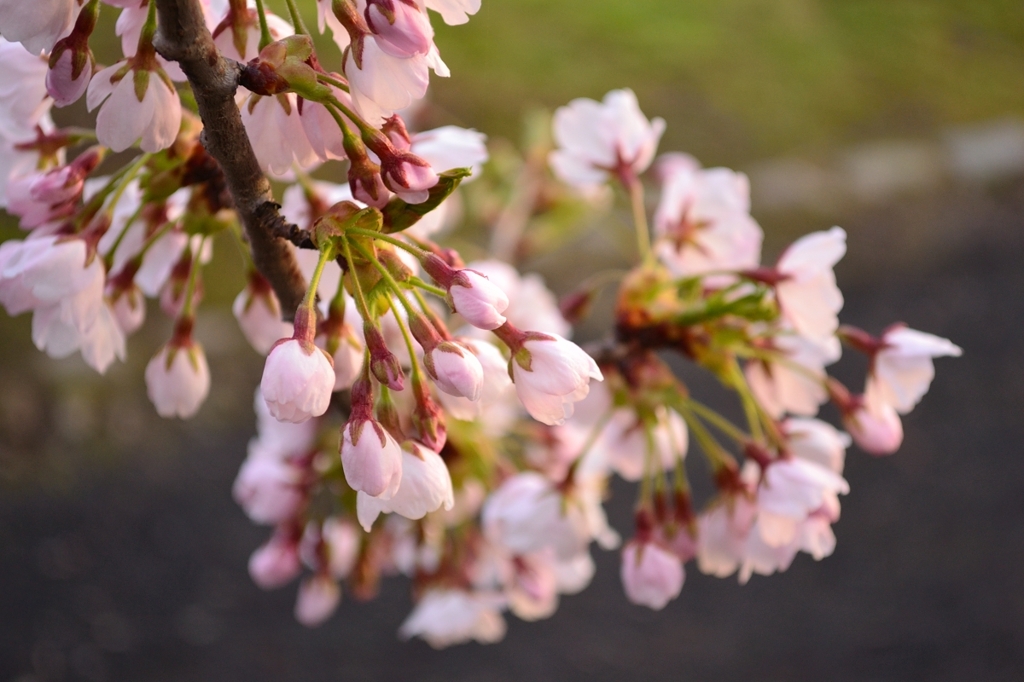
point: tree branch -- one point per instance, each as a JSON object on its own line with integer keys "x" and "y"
{"x": 184, "y": 38}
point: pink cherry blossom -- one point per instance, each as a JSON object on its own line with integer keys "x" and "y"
{"x": 426, "y": 487}
{"x": 259, "y": 315}
{"x": 902, "y": 370}
{"x": 723, "y": 530}
{"x": 807, "y": 292}
{"x": 790, "y": 490}
{"x": 405, "y": 33}
{"x": 816, "y": 441}
{"x": 384, "y": 84}
{"x": 596, "y": 139}
{"x": 451, "y": 147}
{"x": 789, "y": 385}
{"x": 371, "y": 459}
{"x": 298, "y": 380}
{"x": 495, "y": 387}
{"x": 23, "y": 100}
{"x": 874, "y": 425}
{"x": 531, "y": 303}
{"x": 178, "y": 379}
{"x": 455, "y": 369}
{"x": 276, "y": 133}
{"x": 703, "y": 220}
{"x": 267, "y": 487}
{"x": 622, "y": 445}
{"x": 450, "y": 616}
{"x": 38, "y": 27}
{"x": 651, "y": 576}
{"x": 126, "y": 116}
{"x": 317, "y": 600}
{"x": 454, "y": 12}
{"x": 129, "y": 308}
{"x": 61, "y": 82}
{"x": 478, "y": 300}
{"x": 555, "y": 374}
{"x": 276, "y": 563}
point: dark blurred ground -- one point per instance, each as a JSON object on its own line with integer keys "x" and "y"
{"x": 126, "y": 560}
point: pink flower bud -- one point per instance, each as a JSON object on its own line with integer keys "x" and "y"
{"x": 259, "y": 315}
{"x": 267, "y": 488}
{"x": 408, "y": 176}
{"x": 426, "y": 487}
{"x": 875, "y": 426}
{"x": 651, "y": 576}
{"x": 371, "y": 459}
{"x": 455, "y": 369}
{"x": 317, "y": 599}
{"x": 63, "y": 84}
{"x": 477, "y": 299}
{"x": 276, "y": 563}
{"x": 178, "y": 379}
{"x": 402, "y": 29}
{"x": 551, "y": 374}
{"x": 298, "y": 380}
{"x": 129, "y": 308}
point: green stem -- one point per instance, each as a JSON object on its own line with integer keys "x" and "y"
{"x": 265, "y": 38}
{"x": 713, "y": 451}
{"x": 309, "y": 300}
{"x": 414, "y": 250}
{"x": 643, "y": 235}
{"x": 409, "y": 345}
{"x": 108, "y": 261}
{"x": 193, "y": 277}
{"x": 326, "y": 78}
{"x": 364, "y": 309}
{"x": 718, "y": 421}
{"x": 419, "y": 283}
{"x": 386, "y": 276}
{"x": 300, "y": 25}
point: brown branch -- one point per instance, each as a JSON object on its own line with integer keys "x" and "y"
{"x": 184, "y": 38}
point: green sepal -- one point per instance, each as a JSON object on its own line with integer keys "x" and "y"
{"x": 399, "y": 215}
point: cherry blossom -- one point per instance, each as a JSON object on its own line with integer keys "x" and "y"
{"x": 902, "y": 369}
{"x": 298, "y": 380}
{"x": 807, "y": 292}
{"x": 41, "y": 27}
{"x": 178, "y": 379}
{"x": 651, "y": 576}
{"x": 426, "y": 487}
{"x": 135, "y": 104}
{"x": 371, "y": 458}
{"x": 596, "y": 139}
{"x": 551, "y": 375}
{"x": 448, "y": 616}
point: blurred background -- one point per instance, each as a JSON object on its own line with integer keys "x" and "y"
{"x": 123, "y": 557}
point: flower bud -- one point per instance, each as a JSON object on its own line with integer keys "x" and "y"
{"x": 651, "y": 576}
{"x": 455, "y": 369}
{"x": 550, "y": 373}
{"x": 401, "y": 28}
{"x": 259, "y": 314}
{"x": 875, "y": 427}
{"x": 276, "y": 563}
{"x": 178, "y": 378}
{"x": 298, "y": 380}
{"x": 426, "y": 487}
{"x": 477, "y": 299}
{"x": 383, "y": 363}
{"x": 408, "y": 176}
{"x": 371, "y": 458}
{"x": 317, "y": 599}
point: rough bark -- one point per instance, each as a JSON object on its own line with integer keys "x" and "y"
{"x": 184, "y": 38}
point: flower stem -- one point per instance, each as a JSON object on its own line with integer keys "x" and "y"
{"x": 300, "y": 25}
{"x": 643, "y": 236}
{"x": 265, "y": 38}
{"x": 718, "y": 421}
{"x": 414, "y": 250}
{"x": 193, "y": 277}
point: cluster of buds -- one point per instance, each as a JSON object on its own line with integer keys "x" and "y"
{"x": 443, "y": 396}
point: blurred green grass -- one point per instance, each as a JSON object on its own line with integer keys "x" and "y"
{"x": 743, "y": 79}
